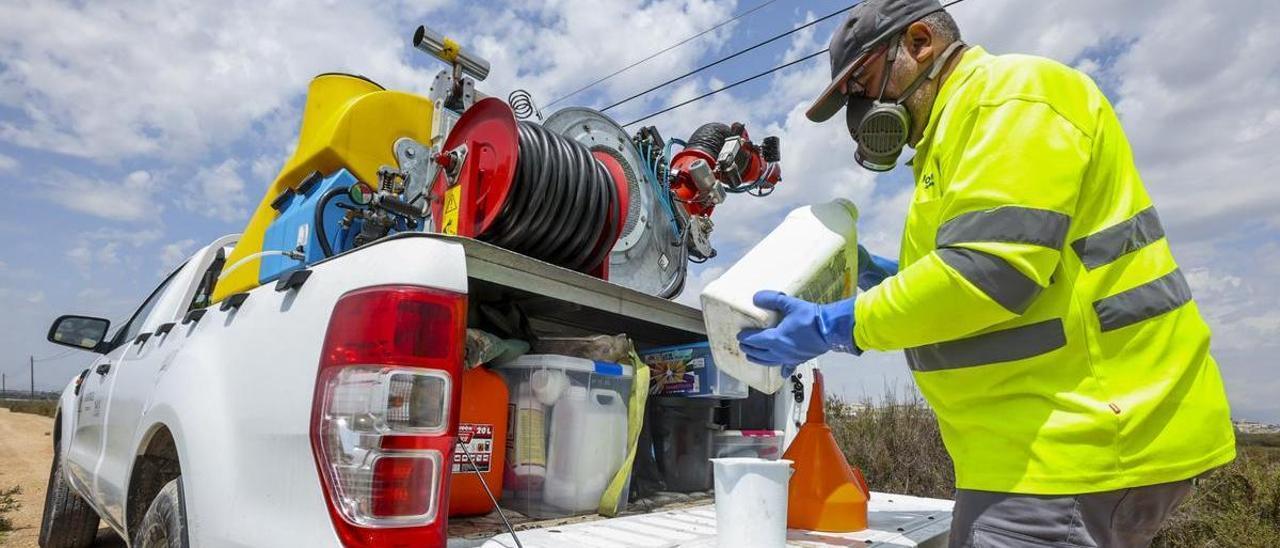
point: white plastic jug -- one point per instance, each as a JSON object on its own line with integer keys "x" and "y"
{"x": 526, "y": 442}
{"x": 751, "y": 502}
{"x": 812, "y": 255}
{"x": 588, "y": 444}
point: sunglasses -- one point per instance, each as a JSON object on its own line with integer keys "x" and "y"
{"x": 853, "y": 86}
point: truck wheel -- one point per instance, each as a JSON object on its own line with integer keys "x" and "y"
{"x": 165, "y": 524}
{"x": 68, "y": 521}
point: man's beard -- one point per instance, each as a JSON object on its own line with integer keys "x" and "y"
{"x": 905, "y": 71}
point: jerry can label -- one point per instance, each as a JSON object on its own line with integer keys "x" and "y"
{"x": 478, "y": 441}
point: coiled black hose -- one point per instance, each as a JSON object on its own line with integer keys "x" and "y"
{"x": 710, "y": 138}
{"x": 562, "y": 207}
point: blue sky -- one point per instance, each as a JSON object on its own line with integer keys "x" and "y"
{"x": 131, "y": 133}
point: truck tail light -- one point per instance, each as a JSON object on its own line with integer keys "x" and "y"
{"x": 385, "y": 413}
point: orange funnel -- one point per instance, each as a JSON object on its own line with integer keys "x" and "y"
{"x": 826, "y": 494}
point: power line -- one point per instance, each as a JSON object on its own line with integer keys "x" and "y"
{"x": 749, "y": 78}
{"x": 730, "y": 86}
{"x": 758, "y": 7}
{"x": 733, "y": 55}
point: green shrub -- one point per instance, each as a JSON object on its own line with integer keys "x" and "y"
{"x": 1236, "y": 505}
{"x": 8, "y": 503}
{"x": 897, "y": 445}
{"x": 1263, "y": 440}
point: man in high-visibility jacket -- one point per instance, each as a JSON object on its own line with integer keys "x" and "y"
{"x": 1040, "y": 308}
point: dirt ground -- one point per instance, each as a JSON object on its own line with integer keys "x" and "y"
{"x": 26, "y": 449}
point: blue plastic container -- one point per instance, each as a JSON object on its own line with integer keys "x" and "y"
{"x": 690, "y": 371}
{"x": 294, "y": 229}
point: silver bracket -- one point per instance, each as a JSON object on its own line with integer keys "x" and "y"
{"x": 727, "y": 167}
{"x": 456, "y": 157}
{"x": 417, "y": 163}
{"x": 700, "y": 227}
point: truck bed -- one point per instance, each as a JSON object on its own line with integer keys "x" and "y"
{"x": 894, "y": 520}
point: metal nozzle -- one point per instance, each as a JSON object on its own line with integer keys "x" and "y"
{"x": 701, "y": 174}
{"x": 444, "y": 49}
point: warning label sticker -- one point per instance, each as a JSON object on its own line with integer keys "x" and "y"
{"x": 452, "y": 198}
{"x": 478, "y": 441}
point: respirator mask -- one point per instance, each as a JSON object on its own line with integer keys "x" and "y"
{"x": 882, "y": 128}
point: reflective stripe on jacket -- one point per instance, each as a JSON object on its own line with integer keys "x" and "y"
{"x": 1040, "y": 308}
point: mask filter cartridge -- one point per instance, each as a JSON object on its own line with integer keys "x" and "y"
{"x": 882, "y": 129}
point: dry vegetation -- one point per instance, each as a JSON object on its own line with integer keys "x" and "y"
{"x": 35, "y": 407}
{"x": 897, "y": 445}
{"x": 8, "y": 503}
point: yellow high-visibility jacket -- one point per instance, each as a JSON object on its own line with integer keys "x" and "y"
{"x": 1040, "y": 308}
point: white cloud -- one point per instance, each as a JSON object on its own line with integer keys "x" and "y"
{"x": 171, "y": 255}
{"x": 102, "y": 248}
{"x": 554, "y": 48}
{"x": 696, "y": 281}
{"x": 174, "y": 80}
{"x": 131, "y": 199}
{"x": 8, "y": 163}
{"x": 218, "y": 192}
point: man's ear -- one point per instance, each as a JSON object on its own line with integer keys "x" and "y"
{"x": 919, "y": 42}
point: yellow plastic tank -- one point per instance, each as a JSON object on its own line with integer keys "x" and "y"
{"x": 348, "y": 122}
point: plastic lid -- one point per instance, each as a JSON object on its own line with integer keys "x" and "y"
{"x": 568, "y": 363}
{"x": 689, "y": 346}
{"x": 752, "y": 433}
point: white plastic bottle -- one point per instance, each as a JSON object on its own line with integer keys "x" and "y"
{"x": 527, "y": 449}
{"x": 812, "y": 255}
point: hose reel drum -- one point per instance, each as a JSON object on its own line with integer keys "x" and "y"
{"x": 570, "y": 191}
{"x": 647, "y": 256}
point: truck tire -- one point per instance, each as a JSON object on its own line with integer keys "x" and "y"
{"x": 165, "y": 524}
{"x": 68, "y": 521}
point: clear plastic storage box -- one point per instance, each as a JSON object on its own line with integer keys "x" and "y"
{"x": 682, "y": 430}
{"x": 567, "y": 433}
{"x": 764, "y": 444}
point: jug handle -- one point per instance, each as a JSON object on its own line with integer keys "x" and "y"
{"x": 614, "y": 399}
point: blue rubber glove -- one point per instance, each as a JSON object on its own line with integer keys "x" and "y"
{"x": 873, "y": 269}
{"x": 806, "y": 331}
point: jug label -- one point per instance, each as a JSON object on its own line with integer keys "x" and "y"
{"x": 526, "y": 440}
{"x": 478, "y": 439}
{"x": 832, "y": 282}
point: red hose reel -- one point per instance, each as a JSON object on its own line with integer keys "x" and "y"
{"x": 480, "y": 167}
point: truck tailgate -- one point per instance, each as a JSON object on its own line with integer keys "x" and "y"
{"x": 895, "y": 520}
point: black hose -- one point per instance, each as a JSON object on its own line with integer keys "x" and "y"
{"x": 710, "y": 138}
{"x": 562, "y": 207}
{"x": 318, "y": 222}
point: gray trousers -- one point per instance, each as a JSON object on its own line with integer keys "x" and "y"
{"x": 1121, "y": 518}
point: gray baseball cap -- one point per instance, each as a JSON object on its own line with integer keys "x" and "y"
{"x": 869, "y": 24}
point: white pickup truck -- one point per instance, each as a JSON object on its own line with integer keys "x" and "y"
{"x": 233, "y": 424}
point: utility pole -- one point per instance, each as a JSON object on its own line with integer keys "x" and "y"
{"x": 32, "y": 363}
